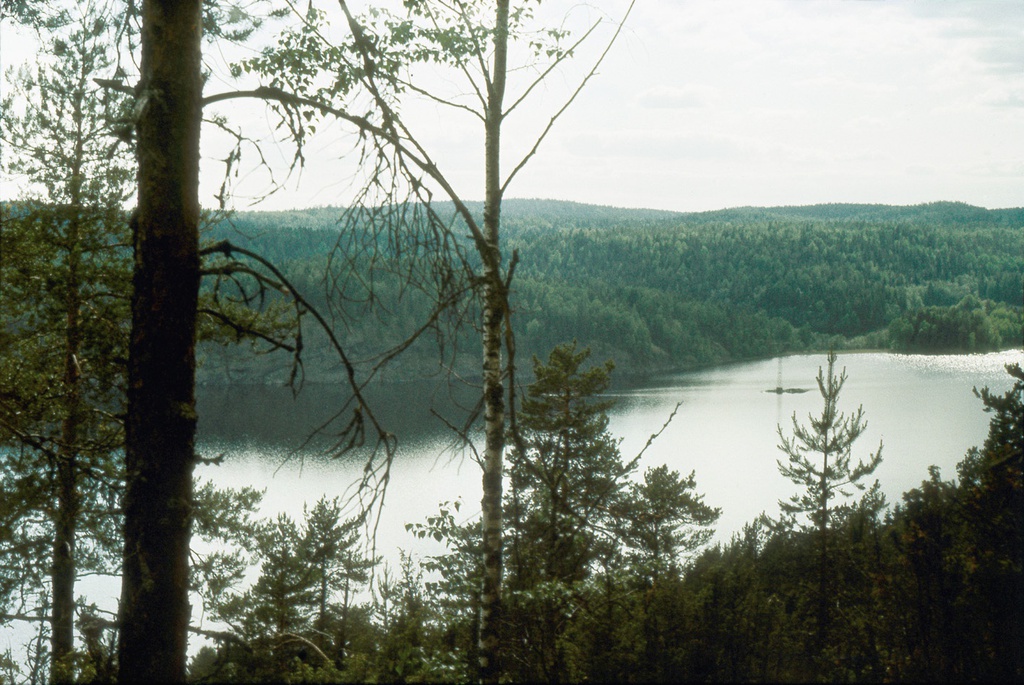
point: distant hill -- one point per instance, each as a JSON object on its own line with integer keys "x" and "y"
{"x": 657, "y": 289}
{"x": 939, "y": 213}
{"x": 538, "y": 213}
{"x": 514, "y": 211}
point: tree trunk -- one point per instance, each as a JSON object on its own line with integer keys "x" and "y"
{"x": 160, "y": 428}
{"x": 63, "y": 572}
{"x": 62, "y": 637}
{"x": 494, "y": 402}
{"x": 823, "y": 613}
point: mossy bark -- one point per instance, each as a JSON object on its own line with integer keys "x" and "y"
{"x": 161, "y": 423}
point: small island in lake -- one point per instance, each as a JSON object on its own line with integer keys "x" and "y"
{"x": 778, "y": 390}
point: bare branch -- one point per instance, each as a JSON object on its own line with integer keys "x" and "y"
{"x": 417, "y": 156}
{"x": 654, "y": 436}
{"x": 354, "y": 428}
{"x": 115, "y": 85}
{"x": 441, "y": 101}
{"x": 45, "y": 618}
{"x": 550, "y": 68}
{"x": 242, "y": 330}
{"x": 579, "y": 89}
{"x": 292, "y": 637}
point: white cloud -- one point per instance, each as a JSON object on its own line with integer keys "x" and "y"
{"x": 999, "y": 169}
{"x": 674, "y": 97}
{"x": 1004, "y": 98}
{"x": 651, "y": 145}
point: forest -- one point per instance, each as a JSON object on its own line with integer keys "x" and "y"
{"x": 716, "y": 287}
{"x": 120, "y": 291}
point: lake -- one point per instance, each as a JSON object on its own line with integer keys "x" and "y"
{"x": 920, "y": 407}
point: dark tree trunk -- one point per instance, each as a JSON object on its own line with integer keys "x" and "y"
{"x": 160, "y": 428}
{"x": 63, "y": 572}
{"x": 62, "y": 578}
{"x": 823, "y": 599}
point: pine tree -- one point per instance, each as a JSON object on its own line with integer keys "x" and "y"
{"x": 567, "y": 471}
{"x": 331, "y": 547}
{"x": 824, "y": 477}
{"x": 992, "y": 508}
{"x": 567, "y": 478}
{"x": 161, "y": 419}
{"x": 283, "y": 599}
{"x": 64, "y": 270}
{"x": 662, "y": 518}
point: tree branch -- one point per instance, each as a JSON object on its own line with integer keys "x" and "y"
{"x": 579, "y": 89}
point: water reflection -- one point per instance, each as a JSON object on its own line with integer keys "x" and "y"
{"x": 273, "y": 419}
{"x": 921, "y": 407}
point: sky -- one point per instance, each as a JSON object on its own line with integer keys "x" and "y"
{"x": 704, "y": 104}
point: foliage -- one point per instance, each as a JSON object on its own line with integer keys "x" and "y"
{"x": 603, "y": 584}
{"x": 992, "y": 507}
{"x": 832, "y": 436}
{"x": 715, "y": 287}
{"x": 566, "y": 476}
{"x": 663, "y": 518}
{"x": 566, "y": 473}
{"x": 968, "y": 326}
{"x": 908, "y": 590}
{"x": 929, "y": 590}
{"x": 366, "y": 80}
{"x": 63, "y": 279}
{"x": 299, "y": 618}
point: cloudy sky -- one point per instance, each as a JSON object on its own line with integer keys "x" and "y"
{"x": 707, "y": 104}
{"x": 715, "y": 104}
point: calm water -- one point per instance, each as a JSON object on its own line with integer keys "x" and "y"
{"x": 921, "y": 408}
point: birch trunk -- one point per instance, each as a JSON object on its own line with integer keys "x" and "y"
{"x": 494, "y": 402}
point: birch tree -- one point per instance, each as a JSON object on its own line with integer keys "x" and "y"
{"x": 365, "y": 79}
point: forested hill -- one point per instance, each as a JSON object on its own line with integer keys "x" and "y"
{"x": 560, "y": 214}
{"x": 666, "y": 290}
{"x": 935, "y": 213}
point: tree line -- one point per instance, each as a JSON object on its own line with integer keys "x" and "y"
{"x": 719, "y": 286}
{"x": 609, "y": 574}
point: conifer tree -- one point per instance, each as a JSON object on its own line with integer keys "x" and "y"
{"x": 567, "y": 478}
{"x": 161, "y": 419}
{"x": 330, "y": 546}
{"x": 664, "y": 518}
{"x": 992, "y": 508}
{"x": 64, "y": 272}
{"x": 819, "y": 461}
{"x": 567, "y": 470}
